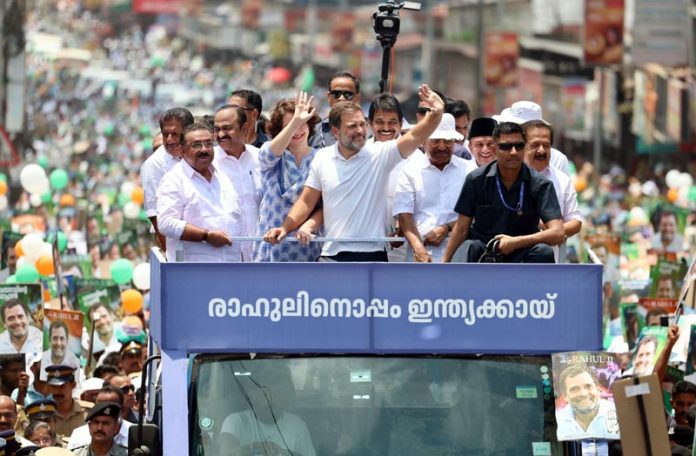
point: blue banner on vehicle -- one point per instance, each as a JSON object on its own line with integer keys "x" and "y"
{"x": 376, "y": 307}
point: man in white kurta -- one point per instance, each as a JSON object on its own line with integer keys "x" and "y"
{"x": 537, "y": 156}
{"x": 197, "y": 206}
{"x": 240, "y": 163}
{"x": 172, "y": 124}
{"x": 427, "y": 191}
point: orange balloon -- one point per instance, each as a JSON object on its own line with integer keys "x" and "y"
{"x": 3, "y": 187}
{"x": 45, "y": 265}
{"x": 47, "y": 295}
{"x": 138, "y": 195}
{"x": 132, "y": 301}
{"x": 67, "y": 200}
{"x": 672, "y": 195}
{"x": 19, "y": 251}
{"x": 580, "y": 184}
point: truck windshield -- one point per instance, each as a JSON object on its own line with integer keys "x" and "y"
{"x": 371, "y": 405}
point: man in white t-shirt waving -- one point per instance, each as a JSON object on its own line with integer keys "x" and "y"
{"x": 350, "y": 178}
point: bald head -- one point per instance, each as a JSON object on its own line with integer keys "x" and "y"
{"x": 8, "y": 413}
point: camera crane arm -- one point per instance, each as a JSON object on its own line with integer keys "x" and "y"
{"x": 386, "y": 23}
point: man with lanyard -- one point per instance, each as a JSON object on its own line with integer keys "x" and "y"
{"x": 505, "y": 201}
{"x": 239, "y": 161}
{"x": 351, "y": 178}
{"x": 343, "y": 86}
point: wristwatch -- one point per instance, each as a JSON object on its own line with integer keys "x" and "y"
{"x": 205, "y": 236}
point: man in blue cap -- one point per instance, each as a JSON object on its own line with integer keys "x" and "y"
{"x": 103, "y": 426}
{"x": 70, "y": 414}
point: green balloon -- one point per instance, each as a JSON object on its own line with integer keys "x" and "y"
{"x": 11, "y": 279}
{"x": 144, "y": 131}
{"x": 123, "y": 198}
{"x": 143, "y": 216}
{"x": 43, "y": 162}
{"x": 62, "y": 240}
{"x": 27, "y": 273}
{"x": 108, "y": 130}
{"x": 59, "y": 179}
{"x": 3, "y": 177}
{"x": 692, "y": 193}
{"x": 121, "y": 271}
{"x": 46, "y": 198}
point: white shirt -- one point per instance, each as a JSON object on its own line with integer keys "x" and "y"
{"x": 68, "y": 360}
{"x": 151, "y": 173}
{"x": 80, "y": 436}
{"x": 560, "y": 161}
{"x": 288, "y": 432}
{"x": 430, "y": 195}
{"x": 245, "y": 175}
{"x": 185, "y": 196}
{"x": 33, "y": 344}
{"x": 567, "y": 198}
{"x": 354, "y": 193}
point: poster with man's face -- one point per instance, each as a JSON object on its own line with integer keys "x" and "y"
{"x": 21, "y": 312}
{"x": 651, "y": 343}
{"x": 584, "y": 401}
{"x": 62, "y": 339}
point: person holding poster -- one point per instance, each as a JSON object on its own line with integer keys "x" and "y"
{"x": 667, "y": 238}
{"x": 58, "y": 353}
{"x": 585, "y": 408}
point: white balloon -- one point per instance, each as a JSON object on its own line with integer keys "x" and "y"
{"x": 3, "y": 202}
{"x": 127, "y": 187}
{"x": 141, "y": 276}
{"x": 21, "y": 261}
{"x": 32, "y": 245}
{"x": 131, "y": 210}
{"x": 685, "y": 180}
{"x": 35, "y": 200}
{"x": 43, "y": 186}
{"x": 672, "y": 178}
{"x": 47, "y": 249}
{"x": 32, "y": 177}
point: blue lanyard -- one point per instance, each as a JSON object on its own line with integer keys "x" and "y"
{"x": 517, "y": 209}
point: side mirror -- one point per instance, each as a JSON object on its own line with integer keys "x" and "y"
{"x": 150, "y": 445}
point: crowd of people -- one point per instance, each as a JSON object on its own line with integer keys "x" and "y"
{"x": 258, "y": 175}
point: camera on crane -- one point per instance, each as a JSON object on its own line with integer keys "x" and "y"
{"x": 386, "y": 20}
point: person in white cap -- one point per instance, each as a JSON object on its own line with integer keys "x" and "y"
{"x": 539, "y": 136}
{"x": 427, "y": 191}
{"x": 524, "y": 111}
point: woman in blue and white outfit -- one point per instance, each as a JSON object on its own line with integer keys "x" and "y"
{"x": 284, "y": 163}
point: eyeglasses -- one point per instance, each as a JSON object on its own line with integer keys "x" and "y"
{"x": 507, "y": 147}
{"x": 423, "y": 110}
{"x": 125, "y": 389}
{"x": 198, "y": 145}
{"x": 346, "y": 94}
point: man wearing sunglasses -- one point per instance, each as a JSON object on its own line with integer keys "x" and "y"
{"x": 343, "y": 86}
{"x": 505, "y": 200}
{"x": 123, "y": 383}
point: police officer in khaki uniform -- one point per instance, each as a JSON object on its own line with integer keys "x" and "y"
{"x": 70, "y": 414}
{"x": 104, "y": 423}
